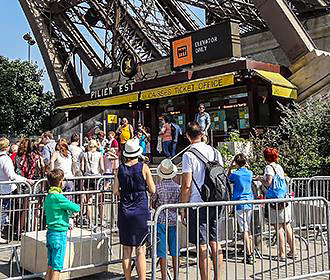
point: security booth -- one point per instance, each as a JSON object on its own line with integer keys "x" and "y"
{"x": 204, "y": 67}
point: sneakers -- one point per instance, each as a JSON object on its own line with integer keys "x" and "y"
{"x": 249, "y": 259}
{"x": 3, "y": 241}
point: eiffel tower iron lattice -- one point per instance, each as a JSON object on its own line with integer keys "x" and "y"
{"x": 101, "y": 32}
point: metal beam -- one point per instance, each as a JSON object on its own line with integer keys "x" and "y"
{"x": 286, "y": 28}
{"x": 53, "y": 61}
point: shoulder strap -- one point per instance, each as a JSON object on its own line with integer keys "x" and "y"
{"x": 273, "y": 169}
{"x": 199, "y": 155}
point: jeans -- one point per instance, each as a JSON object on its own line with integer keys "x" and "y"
{"x": 173, "y": 152}
{"x": 166, "y": 148}
{"x": 4, "y": 212}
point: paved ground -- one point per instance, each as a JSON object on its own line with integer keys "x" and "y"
{"x": 311, "y": 256}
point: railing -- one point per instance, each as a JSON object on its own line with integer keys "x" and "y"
{"x": 216, "y": 221}
{"x": 93, "y": 243}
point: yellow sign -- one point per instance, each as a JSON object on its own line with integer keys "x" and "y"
{"x": 112, "y": 119}
{"x": 189, "y": 87}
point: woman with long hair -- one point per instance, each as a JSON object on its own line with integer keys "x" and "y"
{"x": 29, "y": 164}
{"x": 132, "y": 182}
{"x": 62, "y": 159}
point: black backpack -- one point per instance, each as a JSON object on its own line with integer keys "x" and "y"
{"x": 173, "y": 131}
{"x": 216, "y": 186}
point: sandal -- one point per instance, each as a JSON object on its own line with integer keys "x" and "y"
{"x": 292, "y": 256}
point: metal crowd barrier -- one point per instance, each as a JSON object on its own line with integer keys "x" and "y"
{"x": 310, "y": 246}
{"x": 299, "y": 186}
{"x": 92, "y": 244}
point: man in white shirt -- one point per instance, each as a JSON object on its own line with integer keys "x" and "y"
{"x": 193, "y": 167}
{"x": 7, "y": 173}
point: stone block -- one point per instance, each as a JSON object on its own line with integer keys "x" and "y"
{"x": 83, "y": 248}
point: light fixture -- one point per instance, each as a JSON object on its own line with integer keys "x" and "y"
{"x": 130, "y": 105}
{"x": 147, "y": 105}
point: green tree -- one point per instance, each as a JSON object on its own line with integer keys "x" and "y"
{"x": 302, "y": 138}
{"x": 24, "y": 107}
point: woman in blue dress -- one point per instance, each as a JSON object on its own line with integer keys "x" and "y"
{"x": 132, "y": 183}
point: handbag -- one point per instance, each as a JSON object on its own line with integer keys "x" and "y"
{"x": 278, "y": 189}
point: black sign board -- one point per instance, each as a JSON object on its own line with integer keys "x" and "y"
{"x": 211, "y": 43}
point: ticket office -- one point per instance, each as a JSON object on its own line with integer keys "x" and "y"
{"x": 235, "y": 108}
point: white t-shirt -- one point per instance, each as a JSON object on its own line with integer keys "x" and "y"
{"x": 92, "y": 163}
{"x": 270, "y": 171}
{"x": 191, "y": 164}
{"x": 64, "y": 163}
{"x": 77, "y": 154}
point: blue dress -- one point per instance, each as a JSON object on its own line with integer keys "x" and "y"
{"x": 133, "y": 212}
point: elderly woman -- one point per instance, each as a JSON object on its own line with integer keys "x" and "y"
{"x": 279, "y": 217}
{"x": 131, "y": 185}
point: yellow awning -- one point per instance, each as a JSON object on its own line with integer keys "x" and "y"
{"x": 110, "y": 101}
{"x": 189, "y": 87}
{"x": 280, "y": 86}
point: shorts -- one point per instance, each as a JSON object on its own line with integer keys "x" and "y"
{"x": 244, "y": 218}
{"x": 108, "y": 181}
{"x": 161, "y": 241}
{"x": 212, "y": 227}
{"x": 277, "y": 216}
{"x": 90, "y": 184}
{"x": 56, "y": 245}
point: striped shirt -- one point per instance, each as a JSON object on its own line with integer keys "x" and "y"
{"x": 168, "y": 192}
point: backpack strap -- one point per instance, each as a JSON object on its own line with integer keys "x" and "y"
{"x": 199, "y": 155}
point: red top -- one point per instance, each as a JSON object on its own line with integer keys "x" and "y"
{"x": 165, "y": 133}
{"x": 114, "y": 144}
{"x": 13, "y": 155}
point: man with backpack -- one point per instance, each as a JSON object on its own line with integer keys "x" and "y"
{"x": 202, "y": 165}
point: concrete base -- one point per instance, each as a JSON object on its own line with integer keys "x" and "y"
{"x": 83, "y": 248}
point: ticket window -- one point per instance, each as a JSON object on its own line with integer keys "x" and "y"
{"x": 224, "y": 120}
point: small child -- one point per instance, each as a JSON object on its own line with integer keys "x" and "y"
{"x": 168, "y": 192}
{"x": 57, "y": 209}
{"x": 242, "y": 180}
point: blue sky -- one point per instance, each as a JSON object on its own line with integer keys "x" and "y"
{"x": 13, "y": 25}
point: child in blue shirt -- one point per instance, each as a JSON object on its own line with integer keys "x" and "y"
{"x": 242, "y": 180}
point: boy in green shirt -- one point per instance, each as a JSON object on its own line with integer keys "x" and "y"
{"x": 58, "y": 210}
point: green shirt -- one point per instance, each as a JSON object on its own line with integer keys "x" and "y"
{"x": 58, "y": 210}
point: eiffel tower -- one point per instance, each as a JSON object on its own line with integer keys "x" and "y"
{"x": 101, "y": 32}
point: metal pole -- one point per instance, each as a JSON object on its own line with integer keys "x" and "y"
{"x": 81, "y": 134}
{"x": 29, "y": 52}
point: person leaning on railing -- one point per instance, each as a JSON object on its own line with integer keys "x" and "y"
{"x": 7, "y": 173}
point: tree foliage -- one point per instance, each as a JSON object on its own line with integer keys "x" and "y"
{"x": 24, "y": 108}
{"x": 302, "y": 138}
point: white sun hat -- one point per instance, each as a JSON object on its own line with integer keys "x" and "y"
{"x": 166, "y": 169}
{"x": 132, "y": 148}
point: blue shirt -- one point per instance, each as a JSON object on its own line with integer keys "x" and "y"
{"x": 242, "y": 180}
{"x": 203, "y": 120}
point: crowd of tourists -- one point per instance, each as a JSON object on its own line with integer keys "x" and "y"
{"x": 126, "y": 153}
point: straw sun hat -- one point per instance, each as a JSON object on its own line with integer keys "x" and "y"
{"x": 132, "y": 149}
{"x": 166, "y": 169}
